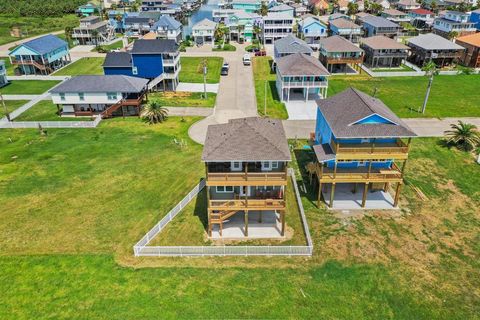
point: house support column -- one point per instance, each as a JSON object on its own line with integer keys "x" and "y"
{"x": 397, "y": 194}
{"x": 246, "y": 223}
{"x": 332, "y": 193}
{"x": 282, "y": 217}
{"x": 364, "y": 197}
{"x": 319, "y": 193}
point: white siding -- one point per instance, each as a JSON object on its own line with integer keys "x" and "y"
{"x": 90, "y": 98}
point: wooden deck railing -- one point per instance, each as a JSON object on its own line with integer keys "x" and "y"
{"x": 249, "y": 177}
{"x": 370, "y": 148}
{"x": 250, "y": 204}
{"x": 358, "y": 175}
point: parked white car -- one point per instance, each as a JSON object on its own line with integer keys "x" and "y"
{"x": 246, "y": 60}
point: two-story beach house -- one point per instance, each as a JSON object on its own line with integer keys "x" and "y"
{"x": 383, "y": 52}
{"x": 337, "y": 53}
{"x": 290, "y": 45}
{"x": 395, "y": 15}
{"x": 421, "y": 18}
{"x": 471, "y": 55}
{"x": 282, "y": 8}
{"x": 376, "y": 26}
{"x": 3, "y": 74}
{"x": 168, "y": 28}
{"x": 246, "y": 164}
{"x": 204, "y": 31}
{"x": 345, "y": 28}
{"x": 117, "y": 20}
{"x": 276, "y": 26}
{"x": 241, "y": 25}
{"x": 359, "y": 142}
{"x": 246, "y": 5}
{"x": 453, "y": 21}
{"x": 407, "y": 5}
{"x": 42, "y": 55}
{"x": 156, "y": 60}
{"x": 93, "y": 31}
{"x": 426, "y": 47}
{"x": 312, "y": 30}
{"x": 140, "y": 23}
{"x": 106, "y": 96}
{"x": 301, "y": 77}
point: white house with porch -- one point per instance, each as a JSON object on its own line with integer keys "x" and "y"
{"x": 301, "y": 77}
{"x": 204, "y": 31}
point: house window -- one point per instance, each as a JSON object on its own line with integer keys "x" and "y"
{"x": 266, "y": 166}
{"x": 81, "y": 96}
{"x": 62, "y": 96}
{"x": 134, "y": 70}
{"x": 236, "y": 166}
{"x": 274, "y": 164}
{"x": 224, "y": 189}
{"x": 112, "y": 95}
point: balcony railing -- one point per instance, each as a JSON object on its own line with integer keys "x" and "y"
{"x": 369, "y": 150}
{"x": 305, "y": 84}
{"x": 360, "y": 174}
{"x": 248, "y": 178}
{"x": 250, "y": 204}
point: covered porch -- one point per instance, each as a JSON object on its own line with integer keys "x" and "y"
{"x": 358, "y": 196}
{"x": 254, "y": 225}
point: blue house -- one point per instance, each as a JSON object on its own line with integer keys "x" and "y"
{"x": 312, "y": 30}
{"x": 88, "y": 10}
{"x": 42, "y": 55}
{"x": 247, "y": 5}
{"x": 117, "y": 19}
{"x": 475, "y": 17}
{"x": 157, "y": 60}
{"x": 358, "y": 141}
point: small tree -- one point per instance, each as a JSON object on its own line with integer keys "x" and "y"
{"x": 153, "y": 113}
{"x": 463, "y": 135}
{"x": 430, "y": 69}
{"x": 352, "y": 8}
{"x": 452, "y": 35}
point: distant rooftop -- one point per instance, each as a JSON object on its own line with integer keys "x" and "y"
{"x": 432, "y": 41}
{"x": 379, "y": 22}
{"x": 382, "y": 42}
{"x": 101, "y": 83}
{"x": 292, "y": 44}
{"x": 342, "y": 23}
{"x": 154, "y": 46}
{"x": 300, "y": 64}
{"x": 338, "y": 44}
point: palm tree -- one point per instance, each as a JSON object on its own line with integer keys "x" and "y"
{"x": 153, "y": 113}
{"x": 463, "y": 135}
{"x": 430, "y": 69}
{"x": 452, "y": 35}
{"x": 95, "y": 36}
{"x": 68, "y": 34}
{"x": 352, "y": 8}
{"x": 263, "y": 9}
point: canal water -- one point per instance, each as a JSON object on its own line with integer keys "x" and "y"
{"x": 205, "y": 11}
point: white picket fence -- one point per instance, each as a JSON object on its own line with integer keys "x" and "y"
{"x": 49, "y": 124}
{"x": 142, "y": 248}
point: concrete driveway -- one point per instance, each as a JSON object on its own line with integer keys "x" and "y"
{"x": 236, "y": 93}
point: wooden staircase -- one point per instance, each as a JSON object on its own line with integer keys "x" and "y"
{"x": 220, "y": 217}
{"x": 107, "y": 113}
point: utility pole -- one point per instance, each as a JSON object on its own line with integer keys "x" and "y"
{"x": 7, "y": 115}
{"x": 205, "y": 78}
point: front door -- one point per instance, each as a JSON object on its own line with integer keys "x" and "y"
{"x": 244, "y": 191}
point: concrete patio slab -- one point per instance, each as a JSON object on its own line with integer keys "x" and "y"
{"x": 234, "y": 228}
{"x": 301, "y": 110}
{"x": 197, "y": 87}
{"x": 345, "y": 199}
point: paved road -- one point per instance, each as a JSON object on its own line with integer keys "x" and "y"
{"x": 236, "y": 93}
{"x": 436, "y": 127}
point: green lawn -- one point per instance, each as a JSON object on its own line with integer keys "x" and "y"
{"x": 114, "y": 46}
{"x": 11, "y": 105}
{"x": 46, "y": 111}
{"x": 402, "y": 68}
{"x": 262, "y": 72}
{"x": 82, "y": 67}
{"x": 28, "y": 86}
{"x": 451, "y": 96}
{"x": 8, "y": 66}
{"x": 33, "y": 26}
{"x": 226, "y": 47}
{"x": 184, "y": 99}
{"x": 76, "y": 200}
{"x": 192, "y": 69}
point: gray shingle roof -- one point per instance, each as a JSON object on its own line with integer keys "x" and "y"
{"x": 118, "y": 59}
{"x": 342, "y": 111}
{"x": 292, "y": 44}
{"x": 154, "y": 46}
{"x": 323, "y": 152}
{"x": 280, "y": 8}
{"x": 246, "y": 139}
{"x": 338, "y": 44}
{"x": 379, "y": 22}
{"x": 300, "y": 64}
{"x": 100, "y": 83}
{"x": 432, "y": 41}
{"x": 382, "y": 42}
{"x": 342, "y": 23}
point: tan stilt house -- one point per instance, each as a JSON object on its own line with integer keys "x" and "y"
{"x": 359, "y": 144}
{"x": 246, "y": 164}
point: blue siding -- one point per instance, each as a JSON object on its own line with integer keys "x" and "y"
{"x": 374, "y": 119}
{"x": 148, "y": 65}
{"x": 355, "y": 164}
{"x": 370, "y": 140}
{"x": 475, "y": 17}
{"x": 115, "y": 71}
{"x": 323, "y": 133}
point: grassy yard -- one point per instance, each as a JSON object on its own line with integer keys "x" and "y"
{"x": 28, "y": 86}
{"x": 184, "y": 99}
{"x": 33, "y": 26}
{"x": 11, "y": 105}
{"x": 8, "y": 66}
{"x": 82, "y": 67}
{"x": 192, "y": 69}
{"x": 402, "y": 68}
{"x": 190, "y": 227}
{"x": 46, "y": 111}
{"x": 75, "y": 201}
{"x": 262, "y": 72}
{"x": 451, "y": 96}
